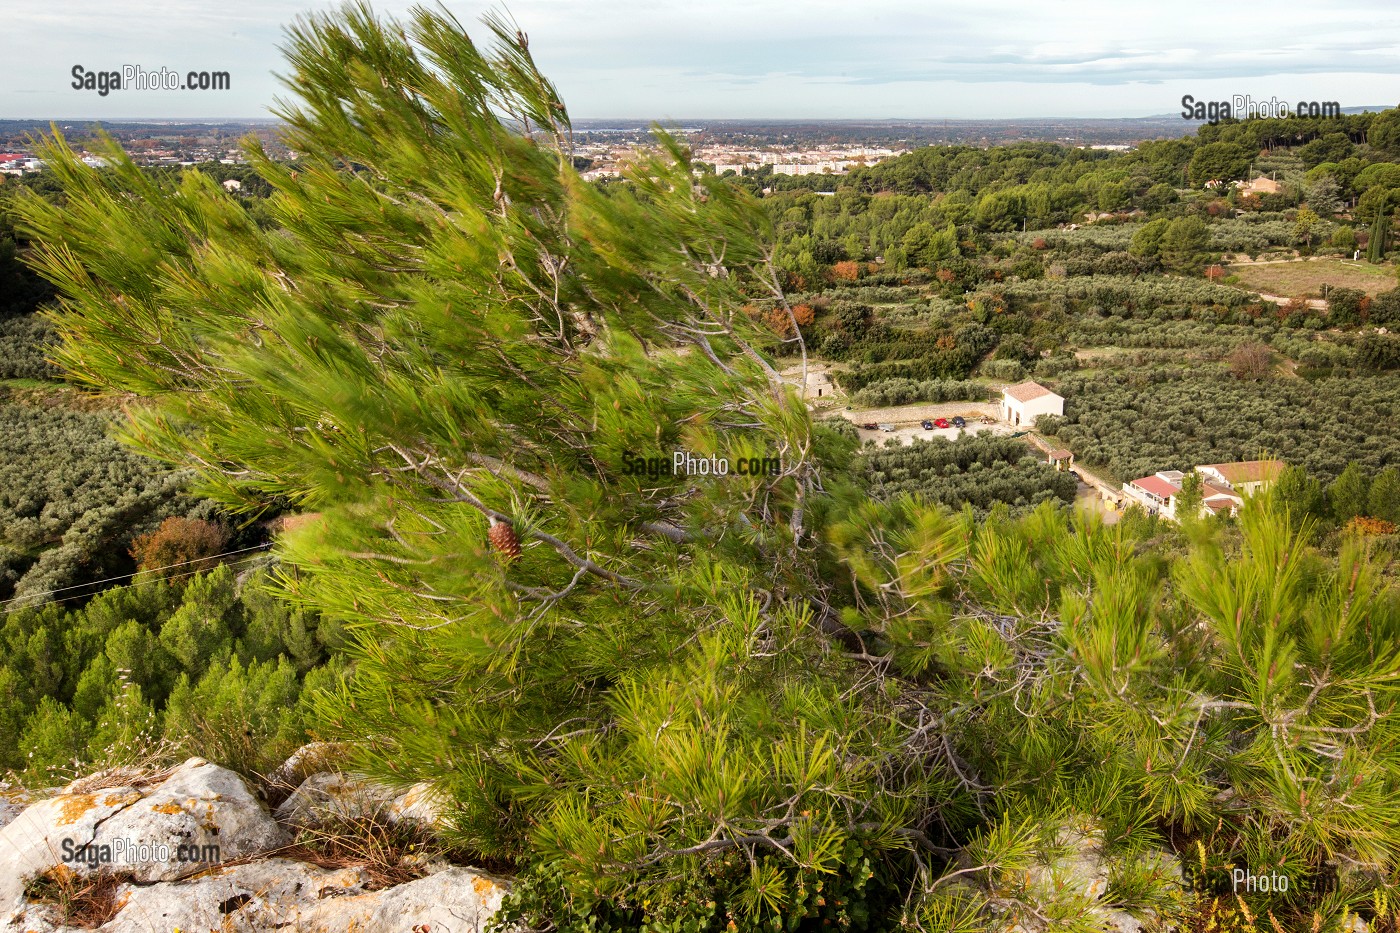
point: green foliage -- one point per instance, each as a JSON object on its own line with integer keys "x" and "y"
{"x": 1135, "y": 423}
{"x": 110, "y": 668}
{"x": 1344, "y": 305}
{"x": 685, "y": 702}
{"x": 70, "y": 496}
{"x": 21, "y": 290}
{"x": 903, "y": 391}
{"x": 1378, "y": 352}
{"x": 1385, "y": 309}
{"x": 25, "y": 341}
{"x": 245, "y": 718}
{"x": 1184, "y": 244}
{"x": 981, "y": 471}
{"x": 1383, "y": 501}
{"x": 1301, "y": 494}
{"x": 1349, "y": 494}
{"x": 1218, "y": 161}
{"x": 54, "y": 742}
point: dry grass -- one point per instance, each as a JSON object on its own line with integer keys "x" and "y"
{"x": 144, "y": 774}
{"x": 386, "y": 852}
{"x": 83, "y": 901}
{"x": 1307, "y": 276}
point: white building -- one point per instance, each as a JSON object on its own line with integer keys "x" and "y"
{"x": 1021, "y": 404}
{"x": 1224, "y": 487}
{"x": 1156, "y": 493}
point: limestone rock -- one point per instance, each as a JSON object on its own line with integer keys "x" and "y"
{"x": 283, "y": 894}
{"x": 13, "y": 800}
{"x": 306, "y": 761}
{"x": 1075, "y": 870}
{"x": 195, "y": 813}
{"x": 331, "y": 795}
{"x": 253, "y": 896}
{"x": 1079, "y": 869}
{"x": 1118, "y": 921}
{"x": 419, "y": 803}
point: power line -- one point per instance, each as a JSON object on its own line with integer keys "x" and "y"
{"x": 128, "y": 586}
{"x": 125, "y": 576}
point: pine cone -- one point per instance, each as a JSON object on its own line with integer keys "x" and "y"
{"x": 504, "y": 539}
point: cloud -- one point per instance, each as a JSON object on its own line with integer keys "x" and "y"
{"x": 822, "y": 57}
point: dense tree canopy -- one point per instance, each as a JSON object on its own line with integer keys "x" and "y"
{"x": 677, "y": 700}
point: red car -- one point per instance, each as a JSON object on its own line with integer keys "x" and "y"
{"x": 942, "y": 423}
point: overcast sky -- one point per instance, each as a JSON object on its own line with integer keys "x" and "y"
{"x": 683, "y": 59}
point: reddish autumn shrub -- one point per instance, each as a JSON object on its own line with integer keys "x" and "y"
{"x": 804, "y": 314}
{"x": 780, "y": 322}
{"x": 1215, "y": 272}
{"x": 846, "y": 271}
{"x": 180, "y": 546}
{"x": 1039, "y": 243}
{"x": 945, "y": 275}
{"x": 1366, "y": 525}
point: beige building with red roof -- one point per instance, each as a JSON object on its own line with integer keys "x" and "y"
{"x": 1022, "y": 403}
{"x": 1224, "y": 487}
{"x": 1245, "y": 477}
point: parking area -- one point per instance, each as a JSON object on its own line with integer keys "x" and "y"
{"x": 907, "y": 421}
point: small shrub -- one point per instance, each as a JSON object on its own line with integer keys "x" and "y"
{"x": 179, "y": 546}
{"x": 1366, "y": 525}
{"x": 1251, "y": 360}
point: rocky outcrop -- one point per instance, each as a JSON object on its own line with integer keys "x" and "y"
{"x": 154, "y": 832}
{"x": 161, "y": 846}
{"x": 283, "y": 894}
{"x": 13, "y": 800}
{"x": 1073, "y": 872}
{"x": 331, "y": 796}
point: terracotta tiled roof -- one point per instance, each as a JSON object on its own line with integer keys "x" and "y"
{"x": 1247, "y": 471}
{"x": 1157, "y": 486}
{"x": 1210, "y": 490}
{"x": 1027, "y": 391}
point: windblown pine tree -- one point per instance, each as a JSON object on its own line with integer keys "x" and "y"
{"x": 678, "y": 700}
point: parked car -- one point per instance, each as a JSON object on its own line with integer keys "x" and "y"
{"x": 887, "y": 428}
{"x": 928, "y": 425}
{"x": 870, "y": 426}
{"x": 942, "y": 423}
{"x": 959, "y": 421}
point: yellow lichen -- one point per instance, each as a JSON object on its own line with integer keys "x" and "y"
{"x": 122, "y": 799}
{"x": 74, "y": 806}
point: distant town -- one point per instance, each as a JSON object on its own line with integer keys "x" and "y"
{"x": 604, "y": 146}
